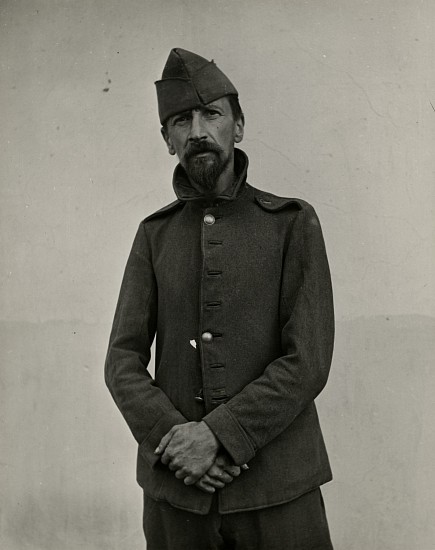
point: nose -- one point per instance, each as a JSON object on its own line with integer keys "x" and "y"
{"x": 197, "y": 127}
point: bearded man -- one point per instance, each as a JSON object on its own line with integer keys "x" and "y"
{"x": 235, "y": 283}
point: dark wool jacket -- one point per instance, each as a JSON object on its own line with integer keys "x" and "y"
{"x": 246, "y": 278}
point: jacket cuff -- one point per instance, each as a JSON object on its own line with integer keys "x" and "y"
{"x": 230, "y": 433}
{"x": 161, "y": 428}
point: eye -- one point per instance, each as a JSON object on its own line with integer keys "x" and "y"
{"x": 180, "y": 120}
{"x": 211, "y": 113}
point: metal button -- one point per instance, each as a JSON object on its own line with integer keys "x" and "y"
{"x": 209, "y": 219}
{"x": 199, "y": 398}
{"x": 207, "y": 337}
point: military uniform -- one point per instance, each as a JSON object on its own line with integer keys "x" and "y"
{"x": 237, "y": 289}
{"x": 245, "y": 278}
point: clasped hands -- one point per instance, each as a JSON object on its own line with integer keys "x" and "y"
{"x": 193, "y": 452}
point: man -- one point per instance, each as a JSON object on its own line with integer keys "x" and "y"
{"x": 235, "y": 283}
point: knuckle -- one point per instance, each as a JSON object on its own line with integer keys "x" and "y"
{"x": 174, "y": 465}
{"x": 167, "y": 454}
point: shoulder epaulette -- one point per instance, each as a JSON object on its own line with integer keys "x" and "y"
{"x": 273, "y": 203}
{"x": 165, "y": 210}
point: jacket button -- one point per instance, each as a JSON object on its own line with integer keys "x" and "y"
{"x": 209, "y": 219}
{"x": 206, "y": 336}
{"x": 200, "y": 397}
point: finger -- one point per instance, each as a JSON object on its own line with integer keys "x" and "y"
{"x": 215, "y": 470}
{"x": 190, "y": 479}
{"x": 164, "y": 442}
{"x": 233, "y": 471}
{"x": 201, "y": 484}
{"x": 226, "y": 477}
{"x": 216, "y": 483}
{"x": 165, "y": 458}
{"x": 213, "y": 482}
{"x": 180, "y": 474}
{"x": 221, "y": 461}
{"x": 221, "y": 476}
{"x": 173, "y": 466}
{"x": 169, "y": 457}
{"x": 224, "y": 474}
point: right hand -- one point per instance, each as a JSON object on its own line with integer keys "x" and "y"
{"x": 221, "y": 472}
{"x": 189, "y": 449}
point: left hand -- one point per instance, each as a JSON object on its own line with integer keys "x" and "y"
{"x": 189, "y": 449}
{"x": 222, "y": 472}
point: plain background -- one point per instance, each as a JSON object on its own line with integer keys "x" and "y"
{"x": 337, "y": 96}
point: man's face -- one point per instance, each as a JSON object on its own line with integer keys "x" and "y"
{"x": 203, "y": 140}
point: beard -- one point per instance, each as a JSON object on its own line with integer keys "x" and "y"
{"x": 204, "y": 170}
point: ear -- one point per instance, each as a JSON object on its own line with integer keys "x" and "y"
{"x": 167, "y": 139}
{"x": 239, "y": 130}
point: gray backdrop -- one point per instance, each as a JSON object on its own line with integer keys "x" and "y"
{"x": 337, "y": 96}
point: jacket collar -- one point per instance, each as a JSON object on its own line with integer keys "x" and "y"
{"x": 185, "y": 192}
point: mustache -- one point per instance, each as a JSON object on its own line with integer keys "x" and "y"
{"x": 201, "y": 147}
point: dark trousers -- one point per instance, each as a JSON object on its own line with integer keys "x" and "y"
{"x": 297, "y": 525}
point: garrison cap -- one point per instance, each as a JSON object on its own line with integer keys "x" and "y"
{"x": 188, "y": 81}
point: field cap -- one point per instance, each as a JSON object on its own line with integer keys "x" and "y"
{"x": 189, "y": 81}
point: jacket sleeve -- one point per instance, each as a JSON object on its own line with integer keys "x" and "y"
{"x": 270, "y": 403}
{"x": 147, "y": 410}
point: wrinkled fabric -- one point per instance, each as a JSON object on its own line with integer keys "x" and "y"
{"x": 257, "y": 280}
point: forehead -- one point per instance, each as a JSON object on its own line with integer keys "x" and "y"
{"x": 222, "y": 104}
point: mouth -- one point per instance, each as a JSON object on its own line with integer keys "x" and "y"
{"x": 203, "y": 154}
{"x": 201, "y": 150}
